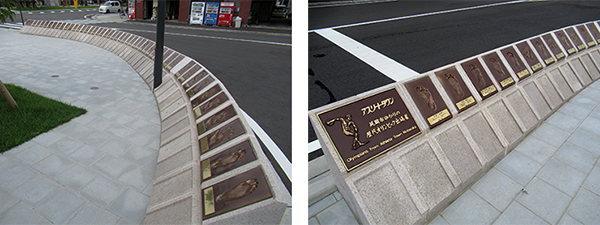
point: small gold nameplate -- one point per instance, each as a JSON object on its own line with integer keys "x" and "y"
{"x": 465, "y": 102}
{"x": 571, "y": 51}
{"x": 198, "y": 112}
{"x": 438, "y": 117}
{"x": 591, "y": 43}
{"x": 549, "y": 60}
{"x": 536, "y": 66}
{"x": 186, "y": 85}
{"x": 507, "y": 82}
{"x": 191, "y": 93}
{"x": 204, "y": 144}
{"x": 523, "y": 73}
{"x": 201, "y": 128}
{"x": 581, "y": 47}
{"x": 560, "y": 55}
{"x": 181, "y": 79}
{"x": 488, "y": 90}
{"x": 206, "y": 169}
{"x": 209, "y": 201}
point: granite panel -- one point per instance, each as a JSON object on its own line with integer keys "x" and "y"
{"x": 581, "y": 73}
{"x": 459, "y": 152}
{"x": 502, "y": 117}
{"x": 590, "y": 66}
{"x": 551, "y": 95}
{"x": 571, "y": 78}
{"x": 522, "y": 109}
{"x": 537, "y": 100}
{"x": 176, "y": 213}
{"x": 561, "y": 84}
{"x": 484, "y": 136}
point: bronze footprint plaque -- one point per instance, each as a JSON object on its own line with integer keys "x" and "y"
{"x": 429, "y": 101}
{"x": 529, "y": 56}
{"x": 210, "y": 105}
{"x": 201, "y": 85}
{"x": 236, "y": 192}
{"x": 556, "y": 51}
{"x": 479, "y": 78}
{"x": 188, "y": 73}
{"x": 216, "y": 119}
{"x": 587, "y": 37}
{"x": 456, "y": 88}
{"x": 515, "y": 62}
{"x": 194, "y": 80}
{"x": 227, "y": 160}
{"x": 206, "y": 95}
{"x": 565, "y": 42}
{"x": 221, "y": 136}
{"x": 595, "y": 33}
{"x": 499, "y": 71}
{"x": 368, "y": 127}
{"x": 541, "y": 49}
{"x": 575, "y": 38}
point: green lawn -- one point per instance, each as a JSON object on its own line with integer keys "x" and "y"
{"x": 54, "y": 8}
{"x": 36, "y": 114}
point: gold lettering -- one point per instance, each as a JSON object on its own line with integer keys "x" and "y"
{"x": 560, "y": 55}
{"x": 591, "y": 43}
{"x": 523, "y": 73}
{"x": 536, "y": 66}
{"x": 488, "y": 90}
{"x": 377, "y": 106}
{"x": 357, "y": 156}
{"x": 438, "y": 117}
{"x": 465, "y": 102}
{"x": 507, "y": 82}
{"x": 549, "y": 60}
{"x": 571, "y": 51}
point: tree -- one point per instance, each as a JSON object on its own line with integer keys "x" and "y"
{"x": 5, "y": 11}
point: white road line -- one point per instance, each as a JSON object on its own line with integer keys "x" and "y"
{"x": 378, "y": 61}
{"x": 276, "y": 152}
{"x": 214, "y": 37}
{"x": 314, "y": 145}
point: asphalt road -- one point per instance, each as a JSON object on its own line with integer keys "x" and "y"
{"x": 422, "y": 43}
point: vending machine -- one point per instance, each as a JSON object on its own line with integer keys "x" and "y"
{"x": 197, "y": 13}
{"x": 226, "y": 13}
{"x": 211, "y": 15}
{"x": 131, "y": 9}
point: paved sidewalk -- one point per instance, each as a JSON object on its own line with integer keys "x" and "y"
{"x": 97, "y": 168}
{"x": 552, "y": 177}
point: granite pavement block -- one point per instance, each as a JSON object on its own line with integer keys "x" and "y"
{"x": 544, "y": 200}
{"x": 320, "y": 205}
{"x": 92, "y": 214}
{"x": 586, "y": 140}
{"x": 95, "y": 138}
{"x": 76, "y": 177}
{"x": 504, "y": 119}
{"x": 438, "y": 220}
{"x": 595, "y": 113}
{"x": 518, "y": 167}
{"x": 518, "y": 214}
{"x": 575, "y": 110}
{"x": 181, "y": 158}
{"x": 34, "y": 154}
{"x": 484, "y": 136}
{"x": 140, "y": 139}
{"x": 6, "y": 201}
{"x": 576, "y": 157}
{"x": 110, "y": 165}
{"x": 87, "y": 155}
{"x": 61, "y": 206}
{"x": 48, "y": 138}
{"x": 551, "y": 134}
{"x": 338, "y": 213}
{"x": 76, "y": 130}
{"x": 536, "y": 149}
{"x": 6, "y": 162}
{"x": 383, "y": 202}
{"x": 459, "y": 152}
{"x": 130, "y": 205}
{"x": 35, "y": 190}
{"x": 14, "y": 177}
{"x": 101, "y": 190}
{"x": 53, "y": 165}
{"x": 591, "y": 124}
{"x": 177, "y": 213}
{"x": 585, "y": 207}
{"x": 564, "y": 122}
{"x": 313, "y": 221}
{"x": 21, "y": 213}
{"x": 115, "y": 146}
{"x": 497, "y": 189}
{"x": 593, "y": 181}
{"x": 562, "y": 176}
{"x": 538, "y": 102}
{"x": 470, "y": 209}
{"x": 120, "y": 131}
{"x": 522, "y": 109}
{"x": 172, "y": 188}
{"x": 568, "y": 220}
{"x": 138, "y": 156}
{"x": 66, "y": 145}
{"x": 136, "y": 177}
{"x": 170, "y": 132}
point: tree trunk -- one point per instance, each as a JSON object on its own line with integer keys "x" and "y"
{"x": 7, "y": 95}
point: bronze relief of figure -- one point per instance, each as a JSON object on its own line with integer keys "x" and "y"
{"x": 498, "y": 67}
{"x": 564, "y": 39}
{"x": 241, "y": 190}
{"x": 478, "y": 74}
{"x": 527, "y": 52}
{"x": 211, "y": 104}
{"x": 234, "y": 157}
{"x": 574, "y": 36}
{"x": 551, "y": 43}
{"x": 454, "y": 82}
{"x": 216, "y": 119}
{"x": 218, "y": 136}
{"x": 514, "y": 59}
{"x": 426, "y": 95}
{"x": 541, "y": 47}
{"x": 348, "y": 128}
{"x": 583, "y": 31}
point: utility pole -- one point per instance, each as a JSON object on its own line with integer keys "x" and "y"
{"x": 160, "y": 41}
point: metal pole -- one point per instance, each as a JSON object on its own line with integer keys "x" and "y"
{"x": 160, "y": 40}
{"x": 19, "y": 3}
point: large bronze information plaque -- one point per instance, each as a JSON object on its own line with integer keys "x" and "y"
{"x": 368, "y": 127}
{"x": 227, "y": 160}
{"x": 456, "y": 88}
{"x": 556, "y": 51}
{"x": 594, "y": 31}
{"x": 575, "y": 38}
{"x": 479, "y": 78}
{"x": 498, "y": 70}
{"x": 530, "y": 57}
{"x": 429, "y": 101}
{"x": 515, "y": 62}
{"x": 565, "y": 42}
{"x": 542, "y": 50}
{"x": 236, "y": 192}
{"x": 586, "y": 36}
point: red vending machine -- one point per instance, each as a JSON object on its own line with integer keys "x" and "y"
{"x": 226, "y": 13}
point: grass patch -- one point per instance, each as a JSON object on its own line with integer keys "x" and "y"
{"x": 36, "y": 115}
{"x": 39, "y": 8}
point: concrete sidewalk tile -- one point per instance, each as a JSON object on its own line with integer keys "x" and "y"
{"x": 20, "y": 148}
{"x": 593, "y": 181}
{"x": 568, "y": 220}
{"x": 314, "y": 209}
{"x": 536, "y": 149}
{"x": 120, "y": 131}
{"x": 497, "y": 189}
{"x": 101, "y": 190}
{"x": 562, "y": 176}
{"x": 141, "y": 139}
{"x": 125, "y": 119}
{"x": 94, "y": 138}
{"x": 124, "y": 222}
{"x": 48, "y": 138}
{"x": 339, "y": 213}
{"x": 130, "y": 205}
{"x": 152, "y": 164}
{"x": 110, "y": 165}
{"x": 115, "y": 146}
{"x": 34, "y": 154}
{"x": 138, "y": 156}
{"x": 100, "y": 124}
{"x": 551, "y": 134}
{"x": 470, "y": 209}
{"x": 585, "y": 207}
{"x": 518, "y": 167}
{"x": 76, "y": 177}
{"x": 127, "y": 109}
{"x": 75, "y": 130}
{"x": 92, "y": 214}
{"x": 148, "y": 189}
{"x": 595, "y": 113}
{"x": 6, "y": 201}
{"x": 6, "y": 162}
{"x": 518, "y": 214}
{"x": 576, "y": 157}
{"x": 61, "y": 206}
{"x": 439, "y": 220}
{"x": 66, "y": 145}
{"x": 142, "y": 125}
{"x": 591, "y": 93}
{"x": 586, "y": 140}
{"x": 585, "y": 102}
{"x": 136, "y": 177}
{"x": 12, "y": 178}
{"x": 313, "y": 221}
{"x": 564, "y": 122}
{"x": 87, "y": 155}
{"x": 53, "y": 165}
{"x": 22, "y": 214}
{"x": 591, "y": 124}
{"x": 35, "y": 190}
{"x": 544, "y": 200}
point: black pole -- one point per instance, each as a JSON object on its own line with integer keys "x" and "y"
{"x": 160, "y": 41}
{"x": 21, "y": 12}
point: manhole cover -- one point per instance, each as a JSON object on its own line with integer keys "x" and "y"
{"x": 94, "y": 88}
{"x": 55, "y": 76}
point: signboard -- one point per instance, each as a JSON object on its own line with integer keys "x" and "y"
{"x": 556, "y": 51}
{"x": 565, "y": 42}
{"x": 197, "y": 13}
{"x": 498, "y": 70}
{"x": 429, "y": 101}
{"x": 541, "y": 49}
{"x": 529, "y": 56}
{"x": 368, "y": 127}
{"x": 515, "y": 62}
{"x": 456, "y": 88}
{"x": 479, "y": 78}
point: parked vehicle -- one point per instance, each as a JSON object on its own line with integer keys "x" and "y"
{"x": 282, "y": 11}
{"x": 110, "y": 6}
